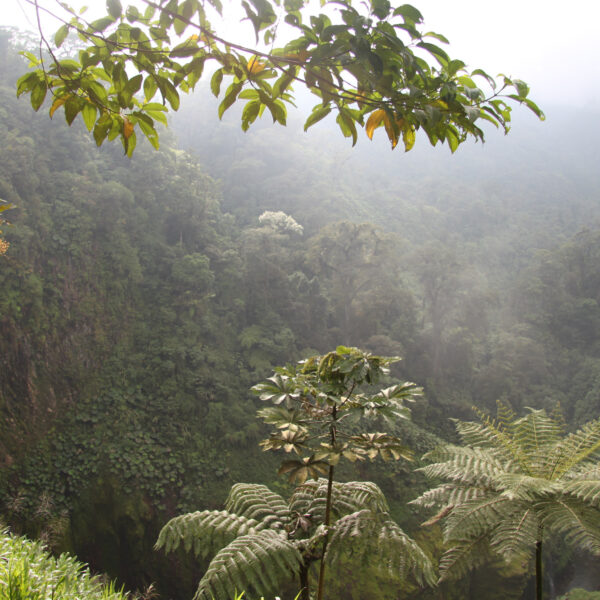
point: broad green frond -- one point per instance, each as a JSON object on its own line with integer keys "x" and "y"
{"x": 375, "y": 539}
{"x": 465, "y": 466}
{"x": 487, "y": 435}
{"x": 577, "y": 447}
{"x": 536, "y": 434}
{"x": 447, "y": 495}
{"x": 476, "y": 517}
{"x": 204, "y": 532}
{"x": 365, "y": 494}
{"x": 258, "y": 502}
{"x": 577, "y": 523}
{"x": 261, "y": 561}
{"x": 464, "y": 555}
{"x": 516, "y": 486}
{"x": 586, "y": 486}
{"x": 516, "y": 479}
{"x": 516, "y": 534}
{"x": 311, "y": 496}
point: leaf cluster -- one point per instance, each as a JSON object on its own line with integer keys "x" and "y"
{"x": 317, "y": 403}
{"x": 513, "y": 479}
{"x": 373, "y": 66}
{"x": 265, "y": 552}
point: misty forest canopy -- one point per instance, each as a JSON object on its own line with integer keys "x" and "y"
{"x": 372, "y": 64}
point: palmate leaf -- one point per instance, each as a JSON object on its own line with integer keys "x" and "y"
{"x": 298, "y": 471}
{"x": 261, "y": 561}
{"x": 258, "y": 502}
{"x": 204, "y": 532}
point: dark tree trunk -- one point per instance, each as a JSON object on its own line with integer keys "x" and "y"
{"x": 304, "y": 591}
{"x": 538, "y": 570}
{"x": 327, "y": 522}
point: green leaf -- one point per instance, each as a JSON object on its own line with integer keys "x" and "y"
{"x": 380, "y": 8}
{"x": 230, "y": 97}
{"x": 88, "y": 113}
{"x": 215, "y": 82}
{"x": 72, "y": 108}
{"x": 60, "y": 35}
{"x": 114, "y": 8}
{"x": 320, "y": 113}
{"x": 38, "y": 93}
{"x": 409, "y": 12}
{"x": 150, "y": 88}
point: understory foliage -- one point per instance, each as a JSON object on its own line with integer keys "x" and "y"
{"x": 512, "y": 482}
{"x": 261, "y": 541}
{"x": 370, "y": 63}
{"x": 29, "y": 572}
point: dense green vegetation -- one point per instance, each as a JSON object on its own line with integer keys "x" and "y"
{"x": 28, "y": 571}
{"x": 141, "y": 299}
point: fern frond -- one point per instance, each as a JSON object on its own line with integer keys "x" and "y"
{"x": 464, "y": 556}
{"x": 515, "y": 535}
{"x": 586, "y": 486}
{"x": 466, "y": 466}
{"x": 578, "y": 447}
{"x": 516, "y": 486}
{"x": 204, "y": 532}
{"x": 476, "y": 517}
{"x": 536, "y": 432}
{"x": 258, "y": 502}
{"x": 261, "y": 561}
{"x": 498, "y": 440}
{"x": 365, "y": 494}
{"x": 375, "y": 539}
{"x": 447, "y": 495}
{"x": 311, "y": 498}
{"x": 578, "y": 523}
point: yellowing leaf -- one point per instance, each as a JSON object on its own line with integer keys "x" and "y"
{"x": 408, "y": 137}
{"x": 58, "y": 102}
{"x": 374, "y": 121}
{"x": 127, "y": 128}
{"x": 389, "y": 129}
{"x": 255, "y": 66}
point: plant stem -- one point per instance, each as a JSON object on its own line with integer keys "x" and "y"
{"x": 326, "y": 539}
{"x": 538, "y": 570}
{"x": 333, "y": 434}
{"x": 304, "y": 591}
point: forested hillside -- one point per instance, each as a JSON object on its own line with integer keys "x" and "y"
{"x": 140, "y": 299}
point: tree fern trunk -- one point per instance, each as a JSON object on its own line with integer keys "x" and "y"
{"x": 538, "y": 570}
{"x": 326, "y": 539}
{"x": 304, "y": 591}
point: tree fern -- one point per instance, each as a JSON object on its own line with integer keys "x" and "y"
{"x": 390, "y": 551}
{"x": 258, "y": 502}
{"x": 261, "y": 561}
{"x": 204, "y": 532}
{"x": 514, "y": 479}
{"x": 262, "y": 542}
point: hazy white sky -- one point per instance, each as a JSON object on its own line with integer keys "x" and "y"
{"x": 553, "y": 45}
